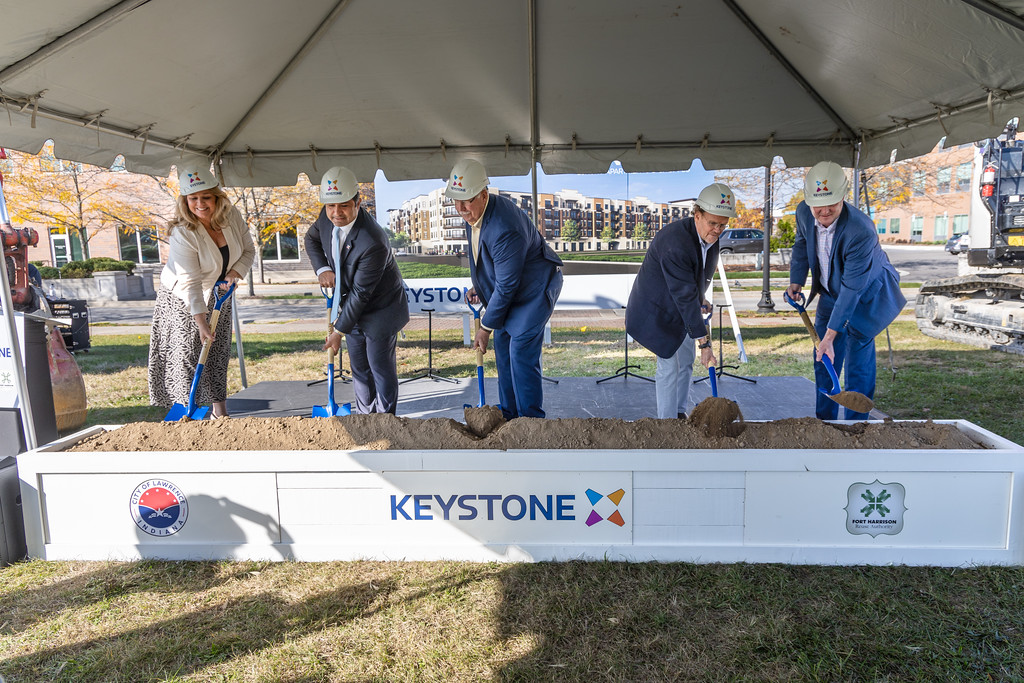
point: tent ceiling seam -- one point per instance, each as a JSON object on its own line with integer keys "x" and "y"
{"x": 996, "y": 12}
{"x": 296, "y": 59}
{"x": 68, "y": 39}
{"x": 788, "y": 66}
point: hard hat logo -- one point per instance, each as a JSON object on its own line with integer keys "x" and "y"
{"x": 726, "y": 202}
{"x": 825, "y": 184}
{"x": 467, "y": 179}
{"x": 194, "y": 178}
{"x": 332, "y": 185}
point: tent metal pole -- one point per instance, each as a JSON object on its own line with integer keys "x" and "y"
{"x": 534, "y": 125}
{"x": 28, "y": 423}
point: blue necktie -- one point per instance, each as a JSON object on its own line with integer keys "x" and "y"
{"x": 336, "y": 253}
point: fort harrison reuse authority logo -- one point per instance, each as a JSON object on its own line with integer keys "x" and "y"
{"x": 875, "y": 508}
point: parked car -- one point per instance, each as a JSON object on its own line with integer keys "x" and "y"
{"x": 741, "y": 241}
{"x": 958, "y": 243}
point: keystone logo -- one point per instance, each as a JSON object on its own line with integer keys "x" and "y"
{"x": 457, "y": 180}
{"x": 822, "y": 186}
{"x": 726, "y": 200}
{"x": 194, "y": 178}
{"x": 615, "y": 517}
{"x": 332, "y": 185}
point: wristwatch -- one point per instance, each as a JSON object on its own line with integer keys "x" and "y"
{"x": 706, "y": 344}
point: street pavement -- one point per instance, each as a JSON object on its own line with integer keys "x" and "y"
{"x": 259, "y": 313}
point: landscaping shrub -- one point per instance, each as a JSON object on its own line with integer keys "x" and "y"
{"x": 78, "y": 269}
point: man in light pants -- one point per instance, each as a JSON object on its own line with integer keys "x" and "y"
{"x": 666, "y": 308}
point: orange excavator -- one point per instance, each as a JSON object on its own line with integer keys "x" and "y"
{"x": 69, "y": 402}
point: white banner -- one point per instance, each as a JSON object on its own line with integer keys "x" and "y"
{"x": 8, "y": 377}
{"x": 447, "y": 295}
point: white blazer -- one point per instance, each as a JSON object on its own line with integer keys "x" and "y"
{"x": 195, "y": 262}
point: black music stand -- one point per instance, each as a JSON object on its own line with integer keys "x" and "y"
{"x": 429, "y": 372}
{"x": 624, "y": 370}
{"x": 339, "y": 372}
{"x": 720, "y": 369}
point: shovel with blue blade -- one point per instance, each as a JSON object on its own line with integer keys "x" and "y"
{"x": 854, "y": 400}
{"x": 331, "y": 409}
{"x": 712, "y": 371}
{"x": 479, "y": 356}
{"x": 192, "y": 411}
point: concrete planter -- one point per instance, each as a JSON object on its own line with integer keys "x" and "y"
{"x": 844, "y": 507}
{"x": 112, "y": 285}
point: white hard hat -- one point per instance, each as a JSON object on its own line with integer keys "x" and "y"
{"x": 338, "y": 186}
{"x": 825, "y": 184}
{"x": 467, "y": 179}
{"x": 195, "y": 179}
{"x": 718, "y": 199}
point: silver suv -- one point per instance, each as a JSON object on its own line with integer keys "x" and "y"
{"x": 741, "y": 241}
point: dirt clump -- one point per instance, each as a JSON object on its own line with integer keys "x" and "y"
{"x": 718, "y": 417}
{"x": 483, "y": 420}
{"x": 388, "y": 432}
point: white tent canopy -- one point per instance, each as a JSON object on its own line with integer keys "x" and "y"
{"x": 272, "y": 88}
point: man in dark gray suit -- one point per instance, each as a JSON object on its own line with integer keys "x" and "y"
{"x": 666, "y": 307}
{"x": 351, "y": 253}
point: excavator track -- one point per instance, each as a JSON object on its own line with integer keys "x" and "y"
{"x": 980, "y": 310}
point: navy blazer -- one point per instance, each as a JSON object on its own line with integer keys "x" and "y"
{"x": 516, "y": 274}
{"x": 865, "y": 286}
{"x": 664, "y": 304}
{"x": 367, "y": 278}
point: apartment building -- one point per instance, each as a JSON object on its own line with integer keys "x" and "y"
{"x": 434, "y": 226}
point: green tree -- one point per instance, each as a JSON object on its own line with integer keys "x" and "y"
{"x": 641, "y": 232}
{"x": 785, "y": 234}
{"x": 570, "y": 231}
{"x": 608, "y": 234}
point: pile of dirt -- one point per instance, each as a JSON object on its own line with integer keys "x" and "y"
{"x": 712, "y": 426}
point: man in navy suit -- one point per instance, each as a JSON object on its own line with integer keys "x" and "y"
{"x": 859, "y": 289}
{"x": 517, "y": 276}
{"x": 666, "y": 308}
{"x": 352, "y": 254}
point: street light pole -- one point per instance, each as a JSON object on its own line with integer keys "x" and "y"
{"x": 766, "y": 305}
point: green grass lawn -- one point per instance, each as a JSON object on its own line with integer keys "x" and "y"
{"x": 564, "y": 621}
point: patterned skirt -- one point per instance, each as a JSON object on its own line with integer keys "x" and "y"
{"x": 174, "y": 353}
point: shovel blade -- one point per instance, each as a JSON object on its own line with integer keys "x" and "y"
{"x": 853, "y": 400}
{"x": 179, "y": 412}
{"x": 176, "y": 412}
{"x": 332, "y": 410}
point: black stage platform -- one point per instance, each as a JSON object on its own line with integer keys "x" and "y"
{"x": 771, "y": 398}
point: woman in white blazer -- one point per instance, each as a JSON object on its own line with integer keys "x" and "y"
{"x": 209, "y": 242}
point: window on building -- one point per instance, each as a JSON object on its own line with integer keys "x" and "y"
{"x": 918, "y": 183}
{"x": 959, "y": 223}
{"x": 67, "y": 246}
{"x": 880, "y": 226}
{"x": 140, "y": 246}
{"x": 279, "y": 244}
{"x": 942, "y": 179}
{"x": 963, "y": 177}
{"x": 941, "y": 227}
{"x": 894, "y": 226}
{"x": 916, "y": 228}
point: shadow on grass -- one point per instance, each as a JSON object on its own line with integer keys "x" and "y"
{"x": 676, "y": 621}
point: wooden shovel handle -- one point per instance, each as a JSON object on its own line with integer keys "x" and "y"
{"x": 479, "y": 353}
{"x": 810, "y": 328}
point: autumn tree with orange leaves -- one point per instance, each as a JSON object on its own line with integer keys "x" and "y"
{"x": 82, "y": 200}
